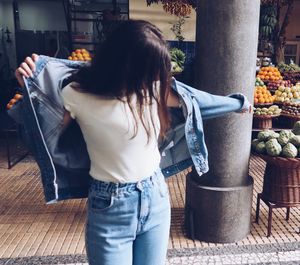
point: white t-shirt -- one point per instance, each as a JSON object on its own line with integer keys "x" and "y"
{"x": 108, "y": 129}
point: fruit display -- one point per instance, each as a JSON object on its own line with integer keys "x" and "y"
{"x": 291, "y": 108}
{"x": 288, "y": 67}
{"x": 290, "y": 72}
{"x": 14, "y": 100}
{"x": 272, "y": 111}
{"x": 294, "y": 77}
{"x": 269, "y": 73}
{"x": 285, "y": 143}
{"x": 274, "y": 85}
{"x": 262, "y": 96}
{"x": 286, "y": 94}
{"x": 80, "y": 55}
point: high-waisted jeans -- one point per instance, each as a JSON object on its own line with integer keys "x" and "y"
{"x": 128, "y": 223}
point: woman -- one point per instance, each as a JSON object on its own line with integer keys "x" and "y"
{"x": 120, "y": 103}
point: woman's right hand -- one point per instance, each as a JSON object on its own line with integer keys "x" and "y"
{"x": 26, "y": 69}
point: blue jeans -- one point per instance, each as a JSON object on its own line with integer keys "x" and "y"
{"x": 128, "y": 223}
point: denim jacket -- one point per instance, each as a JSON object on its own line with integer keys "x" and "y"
{"x": 63, "y": 158}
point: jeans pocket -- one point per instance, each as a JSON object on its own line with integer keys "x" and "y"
{"x": 101, "y": 203}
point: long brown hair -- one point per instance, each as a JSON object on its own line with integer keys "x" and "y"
{"x": 129, "y": 62}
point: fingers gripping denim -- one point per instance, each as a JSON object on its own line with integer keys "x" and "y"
{"x": 128, "y": 223}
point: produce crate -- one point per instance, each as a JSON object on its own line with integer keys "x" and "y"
{"x": 281, "y": 184}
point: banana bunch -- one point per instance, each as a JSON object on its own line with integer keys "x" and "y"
{"x": 266, "y": 32}
{"x": 268, "y": 22}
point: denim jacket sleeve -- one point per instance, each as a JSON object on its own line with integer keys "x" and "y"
{"x": 212, "y": 106}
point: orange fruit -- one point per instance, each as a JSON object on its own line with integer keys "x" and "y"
{"x": 9, "y": 106}
{"x": 18, "y": 96}
{"x": 12, "y": 101}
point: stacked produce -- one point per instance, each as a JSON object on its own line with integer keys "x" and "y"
{"x": 291, "y": 108}
{"x": 273, "y": 110}
{"x": 14, "y": 100}
{"x": 294, "y": 77}
{"x": 274, "y": 85}
{"x": 259, "y": 82}
{"x": 288, "y": 67}
{"x": 286, "y": 94}
{"x": 286, "y": 143}
{"x": 269, "y": 73}
{"x": 290, "y": 72}
{"x": 80, "y": 55}
{"x": 262, "y": 95}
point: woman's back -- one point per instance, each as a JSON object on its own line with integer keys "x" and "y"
{"x": 119, "y": 148}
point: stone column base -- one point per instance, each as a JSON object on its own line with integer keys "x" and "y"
{"x": 218, "y": 214}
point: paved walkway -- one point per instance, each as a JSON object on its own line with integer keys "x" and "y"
{"x": 34, "y": 233}
{"x": 268, "y": 254}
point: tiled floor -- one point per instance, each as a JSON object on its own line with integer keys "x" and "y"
{"x": 29, "y": 227}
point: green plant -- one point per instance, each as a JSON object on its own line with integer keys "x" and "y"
{"x": 177, "y": 59}
{"x": 177, "y": 56}
{"x": 177, "y": 28}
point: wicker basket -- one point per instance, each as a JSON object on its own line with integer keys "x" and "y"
{"x": 261, "y": 105}
{"x": 263, "y": 121}
{"x": 282, "y": 181}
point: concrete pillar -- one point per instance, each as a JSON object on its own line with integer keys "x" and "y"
{"x": 218, "y": 205}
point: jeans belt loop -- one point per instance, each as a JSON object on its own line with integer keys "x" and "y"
{"x": 116, "y": 192}
{"x": 139, "y": 186}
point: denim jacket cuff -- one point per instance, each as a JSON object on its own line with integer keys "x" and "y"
{"x": 246, "y": 105}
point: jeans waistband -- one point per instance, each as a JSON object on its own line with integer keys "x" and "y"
{"x": 111, "y": 187}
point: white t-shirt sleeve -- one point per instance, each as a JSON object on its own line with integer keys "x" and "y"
{"x": 69, "y": 100}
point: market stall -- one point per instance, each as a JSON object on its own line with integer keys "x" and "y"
{"x": 276, "y": 133}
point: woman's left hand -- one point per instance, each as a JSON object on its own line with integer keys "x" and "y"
{"x": 26, "y": 69}
{"x": 249, "y": 110}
